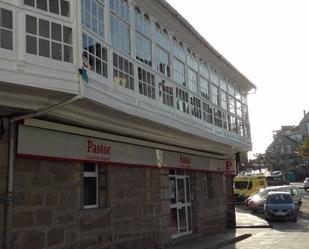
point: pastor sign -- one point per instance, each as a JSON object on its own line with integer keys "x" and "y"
{"x": 54, "y": 145}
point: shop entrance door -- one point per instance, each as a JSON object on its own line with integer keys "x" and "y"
{"x": 180, "y": 203}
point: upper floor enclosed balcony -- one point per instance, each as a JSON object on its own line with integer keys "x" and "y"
{"x": 141, "y": 59}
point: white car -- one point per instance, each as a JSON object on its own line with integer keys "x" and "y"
{"x": 306, "y": 184}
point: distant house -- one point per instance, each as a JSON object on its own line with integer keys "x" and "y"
{"x": 286, "y": 141}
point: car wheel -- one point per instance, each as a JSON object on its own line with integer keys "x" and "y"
{"x": 306, "y": 189}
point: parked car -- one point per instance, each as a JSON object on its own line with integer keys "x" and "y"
{"x": 280, "y": 205}
{"x": 306, "y": 184}
{"x": 256, "y": 202}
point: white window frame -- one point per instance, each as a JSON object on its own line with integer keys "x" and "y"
{"x": 94, "y": 174}
{"x": 103, "y": 61}
{"x": 166, "y": 93}
{"x": 7, "y": 29}
{"x": 179, "y": 75}
{"x": 143, "y": 48}
{"x": 204, "y": 88}
{"x": 64, "y": 44}
{"x": 94, "y": 18}
{"x": 121, "y": 71}
{"x": 48, "y": 7}
{"x": 147, "y": 84}
{"x": 192, "y": 80}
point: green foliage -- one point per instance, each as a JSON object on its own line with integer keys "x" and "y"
{"x": 303, "y": 149}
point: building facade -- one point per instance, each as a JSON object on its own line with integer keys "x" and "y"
{"x": 119, "y": 126}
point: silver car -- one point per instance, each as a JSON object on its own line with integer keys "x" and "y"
{"x": 280, "y": 205}
{"x": 257, "y": 201}
{"x": 306, "y": 184}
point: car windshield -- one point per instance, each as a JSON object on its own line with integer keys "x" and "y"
{"x": 279, "y": 198}
{"x": 240, "y": 185}
{"x": 263, "y": 193}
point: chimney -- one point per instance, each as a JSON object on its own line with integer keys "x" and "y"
{"x": 304, "y": 113}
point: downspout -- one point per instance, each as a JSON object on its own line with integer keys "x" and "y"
{"x": 11, "y": 160}
{"x": 12, "y": 135}
{"x": 7, "y": 241}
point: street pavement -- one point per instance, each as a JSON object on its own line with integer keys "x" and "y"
{"x": 249, "y": 223}
{"x": 282, "y": 235}
{"x": 254, "y": 232}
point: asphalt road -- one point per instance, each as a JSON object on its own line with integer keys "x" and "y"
{"x": 282, "y": 235}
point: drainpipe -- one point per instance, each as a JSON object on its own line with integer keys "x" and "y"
{"x": 9, "y": 194}
{"x": 12, "y": 138}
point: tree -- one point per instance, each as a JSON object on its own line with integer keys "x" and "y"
{"x": 303, "y": 149}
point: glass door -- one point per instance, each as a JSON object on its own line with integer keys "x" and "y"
{"x": 180, "y": 203}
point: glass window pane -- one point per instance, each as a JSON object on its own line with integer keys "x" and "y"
{"x": 101, "y": 29}
{"x": 68, "y": 54}
{"x": 189, "y": 219}
{"x": 6, "y": 19}
{"x": 31, "y": 44}
{"x": 105, "y": 72}
{"x": 101, "y": 14}
{"x": 94, "y": 25}
{"x": 87, "y": 5}
{"x": 29, "y": 2}
{"x": 182, "y": 220}
{"x": 104, "y": 54}
{"x": 90, "y": 191}
{"x": 172, "y": 190}
{"x": 54, "y": 6}
{"x": 31, "y": 25}
{"x": 44, "y": 48}
{"x": 181, "y": 190}
{"x": 98, "y": 50}
{"x": 56, "y": 51}
{"x": 56, "y": 32}
{"x": 98, "y": 66}
{"x": 67, "y": 35}
{"x": 85, "y": 41}
{"x": 94, "y": 9}
{"x": 174, "y": 221}
{"x": 6, "y": 39}
{"x": 43, "y": 28}
{"x": 65, "y": 7}
{"x": 41, "y": 4}
{"x": 91, "y": 45}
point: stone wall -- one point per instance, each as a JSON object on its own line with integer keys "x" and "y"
{"x": 47, "y": 204}
{"x": 209, "y": 215}
{"x": 135, "y": 201}
{"x": 48, "y": 212}
{"x": 230, "y": 213}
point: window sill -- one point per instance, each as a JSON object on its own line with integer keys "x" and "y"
{"x": 97, "y": 210}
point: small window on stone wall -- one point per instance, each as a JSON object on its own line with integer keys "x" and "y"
{"x": 91, "y": 197}
{"x": 95, "y": 186}
{"x": 208, "y": 186}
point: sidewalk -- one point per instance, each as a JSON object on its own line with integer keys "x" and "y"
{"x": 244, "y": 224}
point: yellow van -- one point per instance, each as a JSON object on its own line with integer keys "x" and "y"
{"x": 248, "y": 184}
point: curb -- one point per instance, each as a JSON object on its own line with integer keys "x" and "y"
{"x": 229, "y": 241}
{"x": 254, "y": 226}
